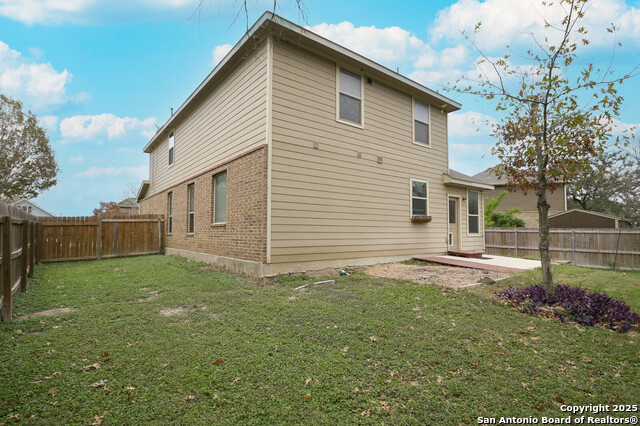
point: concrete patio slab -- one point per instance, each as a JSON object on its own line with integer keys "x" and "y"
{"x": 486, "y": 262}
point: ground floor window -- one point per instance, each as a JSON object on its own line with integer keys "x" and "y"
{"x": 191, "y": 190}
{"x": 170, "y": 213}
{"x": 473, "y": 208}
{"x": 219, "y": 198}
{"x": 419, "y": 198}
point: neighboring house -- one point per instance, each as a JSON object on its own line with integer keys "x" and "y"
{"x": 516, "y": 199}
{"x": 587, "y": 219}
{"x": 129, "y": 206}
{"x": 296, "y": 153}
{"x": 30, "y": 207}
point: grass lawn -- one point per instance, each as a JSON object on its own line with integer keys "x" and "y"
{"x": 163, "y": 340}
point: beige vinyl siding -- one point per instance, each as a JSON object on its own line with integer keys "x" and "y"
{"x": 529, "y": 202}
{"x": 230, "y": 120}
{"x": 328, "y": 204}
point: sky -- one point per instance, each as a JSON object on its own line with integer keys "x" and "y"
{"x": 101, "y": 75}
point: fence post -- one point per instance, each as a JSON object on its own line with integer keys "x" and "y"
{"x": 32, "y": 247}
{"x": 159, "y": 235}
{"x": 6, "y": 268}
{"x": 39, "y": 244}
{"x": 24, "y": 255}
{"x": 573, "y": 247}
{"x": 99, "y": 237}
{"x": 115, "y": 238}
{"x": 516, "y": 242}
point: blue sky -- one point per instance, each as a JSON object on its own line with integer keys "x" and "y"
{"x": 101, "y": 74}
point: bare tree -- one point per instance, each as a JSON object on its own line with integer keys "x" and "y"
{"x": 558, "y": 119}
{"x": 131, "y": 190}
{"x": 243, "y": 10}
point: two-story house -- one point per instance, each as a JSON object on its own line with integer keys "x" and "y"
{"x": 296, "y": 153}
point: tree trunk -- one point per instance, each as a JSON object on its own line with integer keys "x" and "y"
{"x": 543, "y": 219}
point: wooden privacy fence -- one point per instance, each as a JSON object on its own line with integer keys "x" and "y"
{"x": 18, "y": 254}
{"x": 600, "y": 248}
{"x": 82, "y": 238}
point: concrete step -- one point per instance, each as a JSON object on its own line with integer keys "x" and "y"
{"x": 465, "y": 253}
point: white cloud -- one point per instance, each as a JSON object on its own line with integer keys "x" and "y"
{"x": 114, "y": 172}
{"x": 397, "y": 47}
{"x": 38, "y": 85}
{"x": 81, "y": 98}
{"x": 468, "y": 124}
{"x": 512, "y": 22}
{"x": 386, "y": 45}
{"x": 32, "y": 12}
{"x": 36, "y": 52}
{"x": 49, "y": 122}
{"x": 7, "y": 53}
{"x": 471, "y": 149}
{"x": 90, "y": 126}
{"x": 219, "y": 52}
{"x": 75, "y": 160}
{"x": 620, "y": 128}
{"x": 40, "y": 11}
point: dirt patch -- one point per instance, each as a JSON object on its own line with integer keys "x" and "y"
{"x": 447, "y": 276}
{"x": 169, "y": 312}
{"x": 49, "y": 313}
{"x": 152, "y": 295}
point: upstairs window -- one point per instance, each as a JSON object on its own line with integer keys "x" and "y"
{"x": 419, "y": 198}
{"x": 349, "y": 97}
{"x": 171, "y": 142}
{"x": 191, "y": 220}
{"x": 170, "y": 213}
{"x": 473, "y": 206}
{"x": 421, "y": 131}
{"x": 220, "y": 198}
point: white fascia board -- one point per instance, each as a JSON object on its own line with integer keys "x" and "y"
{"x": 448, "y": 180}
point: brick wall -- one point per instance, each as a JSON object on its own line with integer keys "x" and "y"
{"x": 244, "y": 235}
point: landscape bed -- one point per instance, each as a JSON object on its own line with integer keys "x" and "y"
{"x": 164, "y": 340}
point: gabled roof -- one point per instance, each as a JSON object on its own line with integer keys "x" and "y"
{"x": 16, "y": 200}
{"x": 455, "y": 178}
{"x": 590, "y": 212}
{"x": 489, "y": 177}
{"x": 318, "y": 43}
{"x": 129, "y": 202}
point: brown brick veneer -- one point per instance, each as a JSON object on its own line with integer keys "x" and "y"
{"x": 244, "y": 236}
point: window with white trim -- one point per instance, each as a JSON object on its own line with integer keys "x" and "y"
{"x": 350, "y": 96}
{"x": 220, "y": 198}
{"x": 170, "y": 213}
{"x": 171, "y": 143}
{"x": 473, "y": 206}
{"x": 421, "y": 120}
{"x": 419, "y": 198}
{"x": 191, "y": 220}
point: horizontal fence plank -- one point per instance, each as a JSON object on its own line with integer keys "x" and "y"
{"x": 15, "y": 288}
{"x": 16, "y": 254}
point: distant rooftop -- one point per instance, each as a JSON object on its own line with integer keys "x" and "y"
{"x": 489, "y": 177}
{"x": 129, "y": 202}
